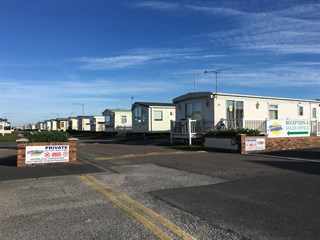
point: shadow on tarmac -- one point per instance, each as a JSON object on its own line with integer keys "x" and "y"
{"x": 9, "y": 161}
{"x": 311, "y": 153}
{"x": 304, "y": 167}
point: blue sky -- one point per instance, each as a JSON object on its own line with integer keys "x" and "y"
{"x": 101, "y": 53}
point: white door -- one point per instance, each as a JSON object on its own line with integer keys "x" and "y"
{"x": 313, "y": 119}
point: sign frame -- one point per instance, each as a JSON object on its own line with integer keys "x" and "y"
{"x": 47, "y": 154}
{"x": 288, "y": 128}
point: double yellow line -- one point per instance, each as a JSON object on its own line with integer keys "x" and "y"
{"x": 135, "y": 209}
{"x": 149, "y": 154}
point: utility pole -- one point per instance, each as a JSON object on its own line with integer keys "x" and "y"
{"x": 216, "y": 72}
{"x": 194, "y": 81}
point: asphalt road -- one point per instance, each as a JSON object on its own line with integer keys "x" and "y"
{"x": 267, "y": 196}
{"x": 209, "y": 195}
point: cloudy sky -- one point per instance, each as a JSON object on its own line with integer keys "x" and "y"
{"x": 54, "y": 53}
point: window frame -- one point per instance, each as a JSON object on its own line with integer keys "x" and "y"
{"x": 124, "y": 119}
{"x": 195, "y": 113}
{"x": 300, "y": 111}
{"x": 274, "y": 108}
{"x": 155, "y": 112}
{"x": 314, "y": 112}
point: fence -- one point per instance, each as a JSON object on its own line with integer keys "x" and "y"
{"x": 260, "y": 125}
{"x": 187, "y": 129}
{"x": 223, "y": 124}
{"x": 195, "y": 128}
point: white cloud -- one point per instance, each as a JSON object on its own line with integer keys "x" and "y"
{"x": 268, "y": 78}
{"x": 293, "y": 30}
{"x": 158, "y": 5}
{"x": 138, "y": 57}
{"x": 95, "y": 63}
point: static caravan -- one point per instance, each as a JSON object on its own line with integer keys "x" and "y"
{"x": 244, "y": 110}
{"x": 72, "y": 123}
{"x": 117, "y": 120}
{"x": 97, "y": 123}
{"x": 5, "y": 126}
{"x": 83, "y": 123}
{"x": 62, "y": 124}
{"x": 40, "y": 126}
{"x": 47, "y": 125}
{"x": 148, "y": 117}
{"x": 54, "y": 125}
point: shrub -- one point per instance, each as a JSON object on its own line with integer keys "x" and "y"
{"x": 233, "y": 132}
{"x": 54, "y": 136}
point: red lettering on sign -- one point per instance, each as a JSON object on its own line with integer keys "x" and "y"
{"x": 56, "y": 154}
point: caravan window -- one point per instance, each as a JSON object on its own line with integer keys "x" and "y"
{"x": 158, "y": 116}
{"x": 194, "y": 110}
{"x": 234, "y": 110}
{"x": 300, "y": 111}
{"x": 123, "y": 119}
{"x": 140, "y": 114}
{"x": 273, "y": 111}
{"x": 314, "y": 113}
{"x": 108, "y": 119}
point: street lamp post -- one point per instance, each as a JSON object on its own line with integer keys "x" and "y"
{"x": 82, "y": 104}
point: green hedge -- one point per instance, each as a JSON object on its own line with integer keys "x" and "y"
{"x": 233, "y": 132}
{"x": 53, "y": 136}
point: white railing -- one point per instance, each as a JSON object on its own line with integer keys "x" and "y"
{"x": 193, "y": 128}
{"x": 260, "y": 125}
{"x": 185, "y": 129}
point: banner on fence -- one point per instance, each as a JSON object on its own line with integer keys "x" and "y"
{"x": 47, "y": 154}
{"x": 288, "y": 128}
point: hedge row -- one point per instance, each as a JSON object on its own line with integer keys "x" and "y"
{"x": 233, "y": 132}
{"x": 52, "y": 136}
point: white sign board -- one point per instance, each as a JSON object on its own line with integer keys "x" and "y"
{"x": 288, "y": 128}
{"x": 47, "y": 154}
{"x": 255, "y": 144}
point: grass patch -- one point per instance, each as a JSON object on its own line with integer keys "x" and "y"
{"x": 9, "y": 137}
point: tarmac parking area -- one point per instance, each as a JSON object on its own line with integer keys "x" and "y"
{"x": 303, "y": 154}
{"x": 205, "y": 195}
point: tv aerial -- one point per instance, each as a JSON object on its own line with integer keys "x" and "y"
{"x": 216, "y": 73}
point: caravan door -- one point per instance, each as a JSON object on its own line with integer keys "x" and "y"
{"x": 234, "y": 114}
{"x": 313, "y": 120}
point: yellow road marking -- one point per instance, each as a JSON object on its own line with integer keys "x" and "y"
{"x": 164, "y": 222}
{"x": 147, "y": 154}
{"x": 154, "y": 229}
{"x": 173, "y": 228}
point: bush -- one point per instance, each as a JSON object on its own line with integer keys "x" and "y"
{"x": 233, "y": 132}
{"x": 54, "y": 136}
